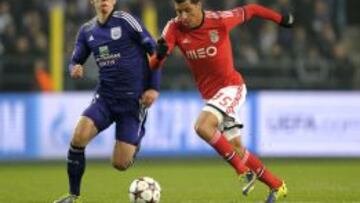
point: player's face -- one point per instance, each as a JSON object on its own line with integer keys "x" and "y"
{"x": 189, "y": 14}
{"x": 103, "y": 6}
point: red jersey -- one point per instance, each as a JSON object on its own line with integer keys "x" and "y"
{"x": 208, "y": 50}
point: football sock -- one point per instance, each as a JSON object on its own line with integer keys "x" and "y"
{"x": 75, "y": 168}
{"x": 225, "y": 149}
{"x": 264, "y": 175}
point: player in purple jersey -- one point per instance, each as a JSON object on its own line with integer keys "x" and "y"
{"x": 126, "y": 88}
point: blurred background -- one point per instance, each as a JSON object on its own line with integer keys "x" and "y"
{"x": 303, "y": 82}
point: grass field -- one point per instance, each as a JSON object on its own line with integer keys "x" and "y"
{"x": 183, "y": 181}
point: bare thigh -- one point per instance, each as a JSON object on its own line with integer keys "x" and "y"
{"x": 84, "y": 132}
{"x": 206, "y": 125}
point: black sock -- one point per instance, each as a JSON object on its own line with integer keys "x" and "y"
{"x": 75, "y": 168}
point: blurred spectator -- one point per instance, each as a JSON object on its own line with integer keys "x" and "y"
{"x": 300, "y": 43}
{"x": 344, "y": 67}
{"x": 314, "y": 49}
{"x": 327, "y": 40}
{"x": 321, "y": 16}
{"x": 23, "y": 37}
{"x": 43, "y": 78}
{"x": 313, "y": 69}
{"x": 5, "y": 16}
{"x": 249, "y": 55}
{"x": 268, "y": 38}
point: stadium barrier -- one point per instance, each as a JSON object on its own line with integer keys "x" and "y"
{"x": 282, "y": 124}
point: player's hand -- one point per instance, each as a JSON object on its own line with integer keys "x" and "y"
{"x": 288, "y": 20}
{"x": 161, "y": 48}
{"x": 77, "y": 71}
{"x": 148, "y": 97}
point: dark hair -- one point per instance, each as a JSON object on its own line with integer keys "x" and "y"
{"x": 192, "y": 1}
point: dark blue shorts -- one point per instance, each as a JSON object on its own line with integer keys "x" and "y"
{"x": 128, "y": 115}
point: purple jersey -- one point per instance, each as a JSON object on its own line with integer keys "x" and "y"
{"x": 120, "y": 47}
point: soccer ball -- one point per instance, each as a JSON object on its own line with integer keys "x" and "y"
{"x": 144, "y": 190}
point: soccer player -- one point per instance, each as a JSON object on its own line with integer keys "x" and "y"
{"x": 203, "y": 38}
{"x": 127, "y": 87}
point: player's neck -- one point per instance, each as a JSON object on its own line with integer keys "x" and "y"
{"x": 103, "y": 17}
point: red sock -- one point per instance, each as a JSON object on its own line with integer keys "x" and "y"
{"x": 225, "y": 149}
{"x": 263, "y": 173}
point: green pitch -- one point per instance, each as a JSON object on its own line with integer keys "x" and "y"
{"x": 183, "y": 181}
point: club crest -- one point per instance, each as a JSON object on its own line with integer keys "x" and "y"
{"x": 116, "y": 33}
{"x": 214, "y": 36}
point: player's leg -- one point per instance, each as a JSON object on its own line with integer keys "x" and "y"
{"x": 247, "y": 181}
{"x": 277, "y": 194}
{"x": 233, "y": 131}
{"x": 95, "y": 118}
{"x": 210, "y": 121}
{"x": 277, "y": 188}
{"x": 263, "y": 174}
{"x": 130, "y": 129}
{"x": 84, "y": 131}
{"x": 207, "y": 128}
{"x": 123, "y": 155}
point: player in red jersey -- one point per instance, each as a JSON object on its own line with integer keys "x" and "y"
{"x": 203, "y": 38}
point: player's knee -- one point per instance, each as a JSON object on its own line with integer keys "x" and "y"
{"x": 203, "y": 130}
{"x": 205, "y": 126}
{"x": 122, "y": 165}
{"x": 79, "y": 140}
{"x": 81, "y": 137}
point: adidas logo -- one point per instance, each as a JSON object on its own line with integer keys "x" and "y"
{"x": 91, "y": 38}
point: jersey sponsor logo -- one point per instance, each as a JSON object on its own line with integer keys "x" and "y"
{"x": 214, "y": 36}
{"x": 202, "y": 53}
{"x": 116, "y": 33}
{"x": 105, "y": 58}
{"x": 104, "y": 51}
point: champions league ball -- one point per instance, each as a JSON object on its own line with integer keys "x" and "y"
{"x": 144, "y": 190}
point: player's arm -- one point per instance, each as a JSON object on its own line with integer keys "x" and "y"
{"x": 80, "y": 54}
{"x": 255, "y": 10}
{"x": 164, "y": 46}
{"x": 146, "y": 40}
{"x": 245, "y": 13}
{"x": 142, "y": 36}
{"x": 139, "y": 33}
{"x": 157, "y": 59}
